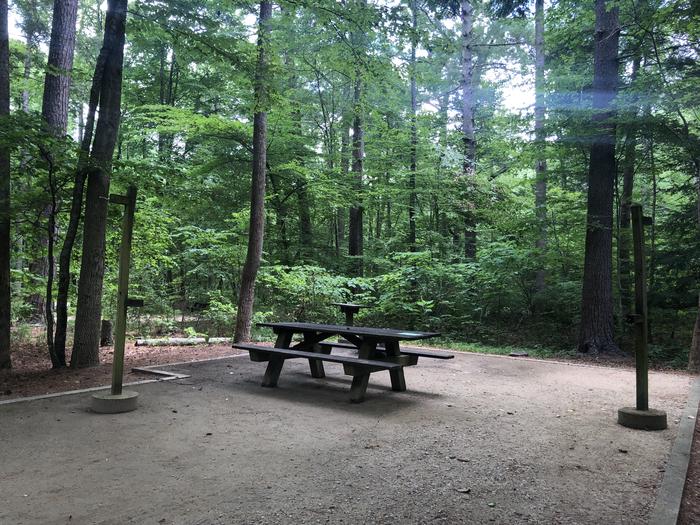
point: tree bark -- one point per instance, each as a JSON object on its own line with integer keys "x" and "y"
{"x": 57, "y": 82}
{"x": 256, "y": 230}
{"x": 468, "y": 136}
{"x": 694, "y": 353}
{"x": 81, "y": 173}
{"x": 597, "y": 322}
{"x": 625, "y": 236}
{"x": 5, "y": 250}
{"x": 355, "y": 227}
{"x": 540, "y": 136}
{"x": 54, "y": 111}
{"x": 412, "y": 197}
{"x": 89, "y": 308}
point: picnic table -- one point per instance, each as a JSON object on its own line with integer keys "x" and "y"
{"x": 377, "y": 349}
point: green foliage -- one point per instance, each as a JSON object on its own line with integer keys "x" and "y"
{"x": 186, "y": 143}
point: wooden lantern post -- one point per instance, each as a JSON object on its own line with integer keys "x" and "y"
{"x": 641, "y": 416}
{"x": 118, "y": 400}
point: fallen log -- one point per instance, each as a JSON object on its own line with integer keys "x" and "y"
{"x": 183, "y": 341}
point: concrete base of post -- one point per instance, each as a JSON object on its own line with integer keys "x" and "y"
{"x": 108, "y": 403}
{"x": 642, "y": 419}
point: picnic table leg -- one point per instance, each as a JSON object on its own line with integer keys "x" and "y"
{"x": 359, "y": 387}
{"x": 398, "y": 380}
{"x": 360, "y": 382}
{"x": 272, "y": 372}
{"x": 316, "y": 366}
{"x": 275, "y": 364}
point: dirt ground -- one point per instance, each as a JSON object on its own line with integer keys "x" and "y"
{"x": 474, "y": 440}
{"x": 32, "y": 375}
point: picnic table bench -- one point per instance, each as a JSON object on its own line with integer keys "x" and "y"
{"x": 377, "y": 349}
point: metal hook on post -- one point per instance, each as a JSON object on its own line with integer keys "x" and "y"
{"x": 118, "y": 400}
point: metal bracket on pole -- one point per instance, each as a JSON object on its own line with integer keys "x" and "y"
{"x": 117, "y": 400}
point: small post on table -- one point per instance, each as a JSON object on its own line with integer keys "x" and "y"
{"x": 641, "y": 416}
{"x": 117, "y": 400}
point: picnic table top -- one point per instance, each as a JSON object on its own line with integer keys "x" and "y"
{"x": 361, "y": 331}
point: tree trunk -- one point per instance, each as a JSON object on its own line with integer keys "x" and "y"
{"x": 256, "y": 230}
{"x": 355, "y": 228}
{"x": 412, "y": 197}
{"x": 280, "y": 209}
{"x": 54, "y": 111}
{"x": 597, "y": 322}
{"x": 27, "y": 72}
{"x": 540, "y": 136}
{"x": 106, "y": 338}
{"x": 694, "y": 353}
{"x": 81, "y": 173}
{"x": 57, "y": 82}
{"x": 468, "y": 137}
{"x": 89, "y": 309}
{"x": 625, "y": 236}
{"x": 345, "y": 177}
{"x": 5, "y": 250}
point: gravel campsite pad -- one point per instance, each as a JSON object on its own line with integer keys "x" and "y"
{"x": 475, "y": 439}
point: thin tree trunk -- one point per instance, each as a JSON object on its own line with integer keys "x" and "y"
{"x": 694, "y": 353}
{"x": 280, "y": 209}
{"x": 57, "y": 361}
{"x": 597, "y": 323}
{"x": 345, "y": 172}
{"x": 355, "y": 231}
{"x": 27, "y": 73}
{"x": 540, "y": 136}
{"x": 256, "y": 231}
{"x": 5, "y": 251}
{"x": 625, "y": 236}
{"x": 468, "y": 137}
{"x": 54, "y": 111}
{"x": 412, "y": 197}
{"x": 89, "y": 309}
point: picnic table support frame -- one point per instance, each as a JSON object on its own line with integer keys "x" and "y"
{"x": 398, "y": 379}
{"x": 276, "y": 363}
{"x": 360, "y": 382}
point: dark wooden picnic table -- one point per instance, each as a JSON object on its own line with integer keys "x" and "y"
{"x": 376, "y": 349}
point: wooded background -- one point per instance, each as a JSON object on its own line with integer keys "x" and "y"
{"x": 463, "y": 166}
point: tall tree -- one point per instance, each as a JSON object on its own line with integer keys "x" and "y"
{"x": 597, "y": 324}
{"x": 81, "y": 173}
{"x": 468, "y": 136}
{"x": 694, "y": 353}
{"x": 89, "y": 308}
{"x": 624, "y": 242}
{"x": 355, "y": 219}
{"x": 355, "y": 222}
{"x": 54, "y": 111}
{"x": 5, "y": 251}
{"x": 540, "y": 136}
{"x": 57, "y": 83}
{"x": 256, "y": 229}
{"x": 412, "y": 197}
